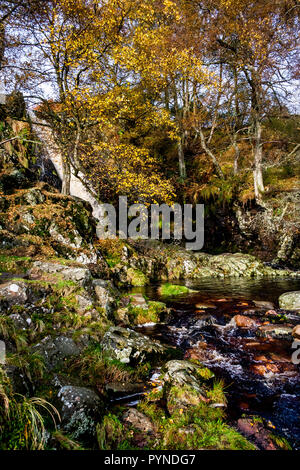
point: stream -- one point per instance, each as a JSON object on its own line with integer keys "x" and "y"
{"x": 260, "y": 377}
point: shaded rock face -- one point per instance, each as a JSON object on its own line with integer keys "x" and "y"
{"x": 80, "y": 410}
{"x": 130, "y": 347}
{"x": 290, "y": 301}
{"x": 56, "y": 350}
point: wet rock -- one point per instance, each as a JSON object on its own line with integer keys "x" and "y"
{"x": 243, "y": 322}
{"x": 138, "y": 421}
{"x": 276, "y": 332}
{"x": 68, "y": 273}
{"x": 81, "y": 408}
{"x": 290, "y": 301}
{"x": 264, "y": 369}
{"x": 138, "y": 300}
{"x": 13, "y": 293}
{"x": 131, "y": 347}
{"x": 56, "y": 350}
{"x": 263, "y": 304}
{"x": 204, "y": 306}
{"x": 296, "y": 332}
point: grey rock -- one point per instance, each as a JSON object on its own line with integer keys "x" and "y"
{"x": 69, "y": 273}
{"x": 182, "y": 373}
{"x": 80, "y": 410}
{"x": 138, "y": 421}
{"x": 131, "y": 347}
{"x": 106, "y": 294}
{"x": 13, "y": 293}
{"x": 56, "y": 350}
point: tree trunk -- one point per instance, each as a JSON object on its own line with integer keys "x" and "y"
{"x": 258, "y": 156}
{"x": 66, "y": 183}
{"x": 236, "y": 155}
{"x": 211, "y": 155}
{"x": 2, "y": 43}
{"x": 181, "y": 159}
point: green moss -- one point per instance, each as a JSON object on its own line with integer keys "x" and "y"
{"x": 280, "y": 442}
{"x": 151, "y": 314}
{"x": 137, "y": 278}
{"x": 169, "y": 290}
{"x": 14, "y": 264}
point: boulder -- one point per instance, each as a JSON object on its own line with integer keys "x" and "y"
{"x": 128, "y": 346}
{"x": 180, "y": 373}
{"x": 290, "y": 301}
{"x": 80, "y": 410}
{"x": 263, "y": 304}
{"x": 138, "y": 421}
{"x": 56, "y": 350}
{"x": 13, "y": 293}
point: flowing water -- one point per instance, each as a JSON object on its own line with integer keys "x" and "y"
{"x": 259, "y": 374}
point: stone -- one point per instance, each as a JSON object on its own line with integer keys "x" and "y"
{"x": 290, "y": 301}
{"x": 242, "y": 321}
{"x": 130, "y": 347}
{"x": 81, "y": 408}
{"x": 74, "y": 241}
{"x": 33, "y": 197}
{"x": 256, "y": 430}
{"x": 13, "y": 293}
{"x": 276, "y": 332}
{"x": 106, "y": 294}
{"x": 263, "y": 304}
{"x": 138, "y": 300}
{"x": 296, "y": 332}
{"x": 138, "y": 421}
{"x": 56, "y": 350}
{"x": 180, "y": 373}
{"x": 68, "y": 273}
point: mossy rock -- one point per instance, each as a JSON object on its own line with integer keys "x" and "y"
{"x": 137, "y": 278}
{"x": 170, "y": 290}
